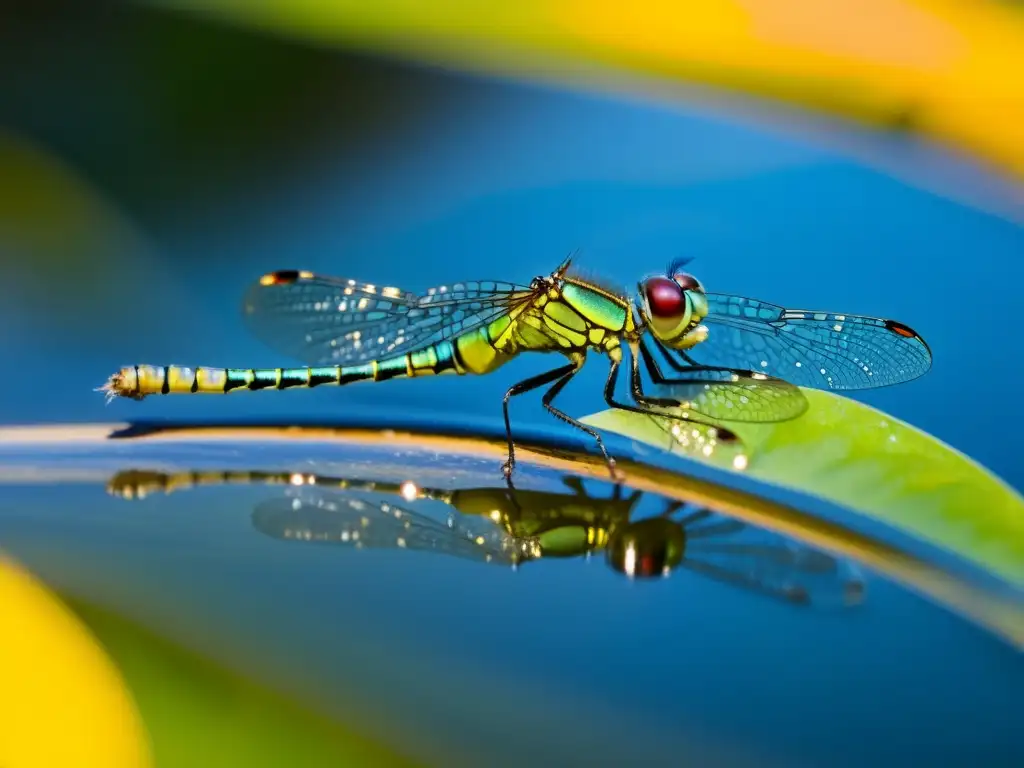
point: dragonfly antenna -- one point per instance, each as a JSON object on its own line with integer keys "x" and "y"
{"x": 678, "y": 264}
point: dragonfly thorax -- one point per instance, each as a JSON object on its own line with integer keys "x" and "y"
{"x": 568, "y": 314}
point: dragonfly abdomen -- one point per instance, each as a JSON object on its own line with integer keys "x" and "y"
{"x": 138, "y": 381}
{"x": 472, "y": 353}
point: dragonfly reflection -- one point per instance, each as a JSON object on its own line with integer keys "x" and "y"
{"x": 510, "y": 526}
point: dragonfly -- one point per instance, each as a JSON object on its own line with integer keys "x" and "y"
{"x": 511, "y": 527}
{"x": 713, "y": 358}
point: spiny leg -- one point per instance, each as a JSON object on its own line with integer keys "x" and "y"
{"x": 645, "y": 403}
{"x": 778, "y": 400}
{"x": 654, "y": 370}
{"x": 549, "y": 397}
{"x": 523, "y": 387}
{"x": 637, "y": 390}
{"x": 609, "y": 392}
{"x": 575, "y": 484}
{"x": 673, "y": 363}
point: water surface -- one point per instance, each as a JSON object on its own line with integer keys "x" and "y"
{"x": 244, "y": 550}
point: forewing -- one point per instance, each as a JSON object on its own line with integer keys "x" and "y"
{"x": 824, "y": 350}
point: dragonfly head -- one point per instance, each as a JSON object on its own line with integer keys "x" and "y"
{"x": 673, "y": 306}
{"x": 647, "y": 548}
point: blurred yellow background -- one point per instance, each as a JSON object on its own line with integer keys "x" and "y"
{"x": 949, "y": 69}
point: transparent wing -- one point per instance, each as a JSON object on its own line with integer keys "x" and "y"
{"x": 750, "y": 557}
{"x": 696, "y": 436}
{"x": 339, "y": 518}
{"x": 733, "y": 395}
{"x": 814, "y": 349}
{"x": 333, "y": 321}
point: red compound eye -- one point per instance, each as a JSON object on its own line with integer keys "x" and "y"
{"x": 687, "y": 282}
{"x": 664, "y": 297}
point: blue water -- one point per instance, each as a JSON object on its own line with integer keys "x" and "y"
{"x": 487, "y": 180}
{"x": 566, "y": 658}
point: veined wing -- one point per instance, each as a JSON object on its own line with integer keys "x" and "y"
{"x": 814, "y": 349}
{"x": 317, "y": 516}
{"x": 727, "y": 395}
{"x": 767, "y": 562}
{"x": 334, "y": 321}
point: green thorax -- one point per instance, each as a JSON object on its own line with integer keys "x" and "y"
{"x": 572, "y": 315}
{"x": 599, "y": 307}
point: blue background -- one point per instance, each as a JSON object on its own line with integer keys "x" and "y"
{"x": 203, "y": 157}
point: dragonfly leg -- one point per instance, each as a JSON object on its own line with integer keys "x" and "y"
{"x": 644, "y": 403}
{"x": 549, "y": 397}
{"x": 671, "y": 507}
{"x": 654, "y": 370}
{"x": 575, "y": 484}
{"x": 673, "y": 363}
{"x": 695, "y": 517}
{"x": 523, "y": 387}
{"x": 790, "y": 401}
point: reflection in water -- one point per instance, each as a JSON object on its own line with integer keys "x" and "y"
{"x": 510, "y": 527}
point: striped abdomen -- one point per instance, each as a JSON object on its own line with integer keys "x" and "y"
{"x": 469, "y": 354}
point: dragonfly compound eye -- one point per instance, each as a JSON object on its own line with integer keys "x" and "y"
{"x": 665, "y": 297}
{"x": 671, "y": 309}
{"x": 647, "y": 548}
{"x": 688, "y": 282}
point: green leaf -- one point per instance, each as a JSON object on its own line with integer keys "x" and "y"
{"x": 865, "y": 460}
